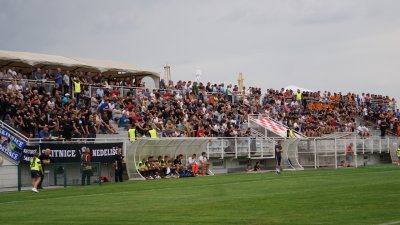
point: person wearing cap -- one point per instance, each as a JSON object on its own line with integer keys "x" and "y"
{"x": 278, "y": 156}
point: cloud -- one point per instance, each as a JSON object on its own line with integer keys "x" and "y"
{"x": 320, "y": 45}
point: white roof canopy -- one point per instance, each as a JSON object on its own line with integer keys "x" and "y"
{"x": 28, "y": 59}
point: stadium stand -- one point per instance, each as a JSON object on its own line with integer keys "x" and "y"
{"x": 182, "y": 109}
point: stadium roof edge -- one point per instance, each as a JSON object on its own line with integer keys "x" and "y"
{"x": 108, "y": 67}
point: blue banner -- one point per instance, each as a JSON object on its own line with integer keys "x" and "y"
{"x": 11, "y": 145}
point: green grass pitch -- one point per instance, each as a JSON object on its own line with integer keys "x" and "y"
{"x": 345, "y": 196}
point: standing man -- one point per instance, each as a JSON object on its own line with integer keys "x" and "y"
{"x": 349, "y": 154}
{"x": 132, "y": 133}
{"x": 86, "y": 166}
{"x": 58, "y": 78}
{"x": 66, "y": 82}
{"x": 278, "y": 156}
{"x": 290, "y": 133}
{"x": 44, "y": 160}
{"x": 118, "y": 166}
{"x": 36, "y": 171}
{"x": 204, "y": 163}
{"x": 77, "y": 90}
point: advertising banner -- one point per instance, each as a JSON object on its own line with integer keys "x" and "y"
{"x": 66, "y": 153}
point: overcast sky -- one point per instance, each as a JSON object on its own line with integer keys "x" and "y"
{"x": 337, "y": 45}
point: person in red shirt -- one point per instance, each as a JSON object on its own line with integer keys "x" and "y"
{"x": 86, "y": 166}
{"x": 200, "y": 131}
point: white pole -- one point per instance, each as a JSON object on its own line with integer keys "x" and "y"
{"x": 222, "y": 149}
{"x": 248, "y": 147}
{"x": 315, "y": 153}
{"x": 335, "y": 155}
{"x": 355, "y": 154}
{"x": 236, "y": 150}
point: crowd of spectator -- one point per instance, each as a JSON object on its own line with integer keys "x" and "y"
{"x": 67, "y": 108}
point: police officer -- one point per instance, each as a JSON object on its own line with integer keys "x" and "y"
{"x": 132, "y": 133}
{"x": 44, "y": 160}
{"x": 290, "y": 133}
{"x": 36, "y": 171}
{"x": 153, "y": 133}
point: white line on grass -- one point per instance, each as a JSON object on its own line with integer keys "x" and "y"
{"x": 391, "y": 223}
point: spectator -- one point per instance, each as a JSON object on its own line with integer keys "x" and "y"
{"x": 44, "y": 134}
{"x": 66, "y": 83}
{"x": 58, "y": 77}
{"x": 38, "y": 75}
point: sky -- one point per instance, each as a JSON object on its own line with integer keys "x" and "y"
{"x": 332, "y": 45}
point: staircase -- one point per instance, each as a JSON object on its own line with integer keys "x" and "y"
{"x": 122, "y": 133}
{"x": 266, "y": 127}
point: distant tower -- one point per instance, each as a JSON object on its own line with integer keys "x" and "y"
{"x": 240, "y": 82}
{"x": 167, "y": 73}
{"x": 198, "y": 75}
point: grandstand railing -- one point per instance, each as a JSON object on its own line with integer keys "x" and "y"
{"x": 48, "y": 85}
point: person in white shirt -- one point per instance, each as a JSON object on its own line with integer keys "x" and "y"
{"x": 204, "y": 163}
{"x": 193, "y": 164}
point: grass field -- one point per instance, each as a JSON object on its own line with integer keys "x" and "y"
{"x": 344, "y": 196}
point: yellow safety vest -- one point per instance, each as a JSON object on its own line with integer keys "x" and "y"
{"x": 398, "y": 152}
{"x": 77, "y": 86}
{"x": 153, "y": 133}
{"x": 291, "y": 134}
{"x": 132, "y": 134}
{"x": 298, "y": 96}
{"x": 35, "y": 164}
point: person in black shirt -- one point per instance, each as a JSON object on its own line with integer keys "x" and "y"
{"x": 257, "y": 167}
{"x": 44, "y": 160}
{"x": 278, "y": 156}
{"x": 118, "y": 166}
{"x": 91, "y": 128}
{"x": 67, "y": 128}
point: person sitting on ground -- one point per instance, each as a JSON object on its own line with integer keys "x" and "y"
{"x": 249, "y": 167}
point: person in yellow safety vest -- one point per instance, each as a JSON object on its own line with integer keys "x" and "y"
{"x": 77, "y": 89}
{"x": 290, "y": 133}
{"x": 36, "y": 171}
{"x": 398, "y": 156}
{"x": 299, "y": 97}
{"x": 132, "y": 133}
{"x": 153, "y": 133}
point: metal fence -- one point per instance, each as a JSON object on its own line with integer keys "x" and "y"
{"x": 18, "y": 177}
